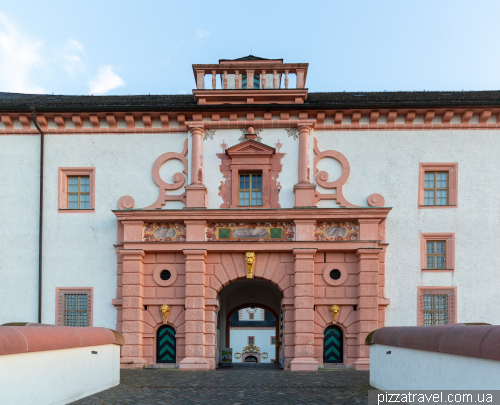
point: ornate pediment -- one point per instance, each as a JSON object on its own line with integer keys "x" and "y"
{"x": 250, "y": 147}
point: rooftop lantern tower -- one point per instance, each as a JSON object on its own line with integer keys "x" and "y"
{"x": 251, "y": 80}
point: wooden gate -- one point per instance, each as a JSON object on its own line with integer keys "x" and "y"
{"x": 333, "y": 346}
{"x": 165, "y": 345}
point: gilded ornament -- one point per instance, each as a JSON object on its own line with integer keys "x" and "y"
{"x": 335, "y": 309}
{"x": 278, "y": 343}
{"x": 165, "y": 310}
{"x": 250, "y": 259}
{"x": 264, "y": 355}
{"x": 251, "y": 349}
{"x": 237, "y": 355}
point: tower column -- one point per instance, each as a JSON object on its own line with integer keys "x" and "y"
{"x": 195, "y": 311}
{"x": 196, "y": 192}
{"x": 304, "y": 311}
{"x": 304, "y": 190}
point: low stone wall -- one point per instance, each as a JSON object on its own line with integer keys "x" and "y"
{"x": 445, "y": 357}
{"x": 44, "y": 364}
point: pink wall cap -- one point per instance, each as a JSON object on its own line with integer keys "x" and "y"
{"x": 473, "y": 340}
{"x": 30, "y": 338}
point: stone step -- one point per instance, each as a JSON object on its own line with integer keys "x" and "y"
{"x": 166, "y": 365}
{"x": 334, "y": 365}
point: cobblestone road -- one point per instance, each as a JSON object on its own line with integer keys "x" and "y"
{"x": 239, "y": 385}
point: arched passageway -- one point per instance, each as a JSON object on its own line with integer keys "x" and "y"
{"x": 252, "y": 293}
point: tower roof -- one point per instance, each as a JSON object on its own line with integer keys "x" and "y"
{"x": 248, "y": 58}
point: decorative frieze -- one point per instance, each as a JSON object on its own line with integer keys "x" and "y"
{"x": 258, "y": 232}
{"x": 163, "y": 232}
{"x": 336, "y": 231}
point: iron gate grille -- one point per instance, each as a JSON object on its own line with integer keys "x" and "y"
{"x": 74, "y": 307}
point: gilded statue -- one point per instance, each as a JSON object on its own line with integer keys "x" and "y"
{"x": 165, "y": 310}
{"x": 335, "y": 309}
{"x": 250, "y": 259}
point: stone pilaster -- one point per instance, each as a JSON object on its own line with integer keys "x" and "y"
{"x": 132, "y": 307}
{"x": 195, "y": 311}
{"x": 304, "y": 311}
{"x": 367, "y": 311}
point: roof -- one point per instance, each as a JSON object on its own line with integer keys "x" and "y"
{"x": 331, "y": 100}
{"x": 246, "y": 58}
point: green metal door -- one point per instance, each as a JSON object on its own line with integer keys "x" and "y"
{"x": 165, "y": 345}
{"x": 333, "y": 347}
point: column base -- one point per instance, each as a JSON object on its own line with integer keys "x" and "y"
{"x": 304, "y": 195}
{"x": 132, "y": 362}
{"x": 196, "y": 196}
{"x": 194, "y": 364}
{"x": 304, "y": 364}
{"x": 363, "y": 363}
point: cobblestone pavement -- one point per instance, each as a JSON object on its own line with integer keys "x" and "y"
{"x": 238, "y": 385}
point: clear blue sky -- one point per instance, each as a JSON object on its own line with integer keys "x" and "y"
{"x": 141, "y": 47}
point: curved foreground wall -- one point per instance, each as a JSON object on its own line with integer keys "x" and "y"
{"x": 445, "y": 357}
{"x": 43, "y": 364}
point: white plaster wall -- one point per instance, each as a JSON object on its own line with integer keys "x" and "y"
{"x": 19, "y": 205}
{"x": 239, "y": 340}
{"x": 58, "y": 376}
{"x": 388, "y": 163}
{"x": 270, "y": 137}
{"x": 78, "y": 247}
{"x": 410, "y": 369}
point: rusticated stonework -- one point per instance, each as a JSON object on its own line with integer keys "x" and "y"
{"x": 336, "y": 231}
{"x": 162, "y": 232}
{"x": 269, "y": 231}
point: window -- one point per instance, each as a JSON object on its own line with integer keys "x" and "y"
{"x": 78, "y": 192}
{"x": 273, "y": 340}
{"x": 250, "y": 189}
{"x": 251, "y": 340}
{"x": 437, "y": 305}
{"x": 436, "y": 188}
{"x": 251, "y": 316}
{"x": 436, "y": 255}
{"x": 438, "y": 184}
{"x": 74, "y": 306}
{"x": 437, "y": 251}
{"x": 76, "y": 189}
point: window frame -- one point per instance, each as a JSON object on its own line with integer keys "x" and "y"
{"x": 449, "y": 239}
{"x": 248, "y": 340}
{"x": 273, "y": 343}
{"x": 250, "y": 190}
{"x": 63, "y": 174}
{"x": 60, "y": 310}
{"x": 451, "y": 302}
{"x": 436, "y": 189}
{"x": 452, "y": 170}
{"x": 78, "y": 193}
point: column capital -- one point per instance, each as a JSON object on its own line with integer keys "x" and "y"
{"x": 195, "y": 254}
{"x": 305, "y": 126}
{"x": 132, "y": 254}
{"x": 368, "y": 253}
{"x": 196, "y": 128}
{"x": 304, "y": 253}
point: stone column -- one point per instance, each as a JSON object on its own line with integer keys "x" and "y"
{"x": 132, "y": 307}
{"x": 367, "y": 311}
{"x": 304, "y": 190}
{"x": 195, "y": 311}
{"x": 210, "y": 333}
{"x": 304, "y": 311}
{"x": 196, "y": 192}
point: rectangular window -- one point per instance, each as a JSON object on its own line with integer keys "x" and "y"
{"x": 74, "y": 306}
{"x": 437, "y": 305}
{"x": 273, "y": 340}
{"x": 250, "y": 189}
{"x": 78, "y": 192}
{"x": 436, "y": 254}
{"x": 251, "y": 317}
{"x": 436, "y": 188}
{"x": 76, "y": 186}
{"x": 251, "y": 340}
{"x": 435, "y": 309}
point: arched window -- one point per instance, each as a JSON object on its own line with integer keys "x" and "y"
{"x": 333, "y": 346}
{"x": 165, "y": 344}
